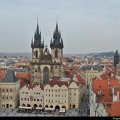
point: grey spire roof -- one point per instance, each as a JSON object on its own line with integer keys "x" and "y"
{"x": 56, "y": 39}
{"x": 10, "y": 77}
{"x": 37, "y": 39}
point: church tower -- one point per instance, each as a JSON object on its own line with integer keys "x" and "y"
{"x": 37, "y": 51}
{"x": 46, "y": 65}
{"x": 116, "y": 58}
{"x": 56, "y": 46}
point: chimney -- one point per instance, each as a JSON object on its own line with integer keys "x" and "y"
{"x": 118, "y": 97}
{"x": 112, "y": 90}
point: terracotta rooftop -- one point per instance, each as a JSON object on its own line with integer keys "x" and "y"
{"x": 105, "y": 87}
{"x": 57, "y": 82}
{"x": 68, "y": 73}
{"x": 80, "y": 79}
{"x": 113, "y": 109}
{"x": 22, "y": 75}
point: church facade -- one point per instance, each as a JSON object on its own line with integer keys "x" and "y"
{"x": 46, "y": 65}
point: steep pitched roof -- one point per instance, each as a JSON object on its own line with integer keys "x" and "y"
{"x": 10, "y": 77}
{"x": 105, "y": 87}
{"x": 58, "y": 82}
{"x": 22, "y": 75}
{"x": 114, "y": 109}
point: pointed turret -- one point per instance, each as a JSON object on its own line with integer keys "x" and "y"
{"x": 31, "y": 43}
{"x": 37, "y": 39}
{"x": 116, "y": 58}
{"x": 56, "y": 43}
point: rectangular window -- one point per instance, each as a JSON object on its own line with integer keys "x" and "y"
{"x": 37, "y": 99}
{"x": 25, "y": 99}
{"x": 28, "y": 99}
{"x": 10, "y": 90}
{"x": 34, "y": 99}
{"x": 21, "y": 98}
{"x": 41, "y": 100}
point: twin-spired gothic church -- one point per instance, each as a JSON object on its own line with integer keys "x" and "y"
{"x": 46, "y": 65}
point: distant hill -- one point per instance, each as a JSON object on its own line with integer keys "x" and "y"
{"x": 17, "y": 54}
{"x": 107, "y": 54}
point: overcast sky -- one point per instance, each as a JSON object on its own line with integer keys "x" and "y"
{"x": 86, "y": 25}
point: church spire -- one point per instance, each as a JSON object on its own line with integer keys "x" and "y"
{"x": 37, "y": 38}
{"x": 32, "y": 43}
{"x": 116, "y": 58}
{"x": 56, "y": 38}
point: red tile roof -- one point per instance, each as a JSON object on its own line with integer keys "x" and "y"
{"x": 80, "y": 79}
{"x": 114, "y": 109}
{"x": 105, "y": 87}
{"x": 104, "y": 76}
{"x": 22, "y": 75}
{"x": 57, "y": 82}
{"x": 68, "y": 74}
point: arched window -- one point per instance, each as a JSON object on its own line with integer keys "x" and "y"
{"x": 56, "y": 53}
{"x": 36, "y": 54}
{"x": 45, "y": 75}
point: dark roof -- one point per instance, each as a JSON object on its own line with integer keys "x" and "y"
{"x": 89, "y": 67}
{"x": 9, "y": 77}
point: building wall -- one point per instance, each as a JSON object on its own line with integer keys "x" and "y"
{"x": 74, "y": 95}
{"x": 55, "y": 66}
{"x": 62, "y": 96}
{"x": 31, "y": 97}
{"x": 56, "y": 96}
{"x": 88, "y": 75}
{"x": 9, "y": 95}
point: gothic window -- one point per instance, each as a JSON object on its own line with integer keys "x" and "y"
{"x": 45, "y": 75}
{"x": 56, "y": 53}
{"x": 36, "y": 54}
